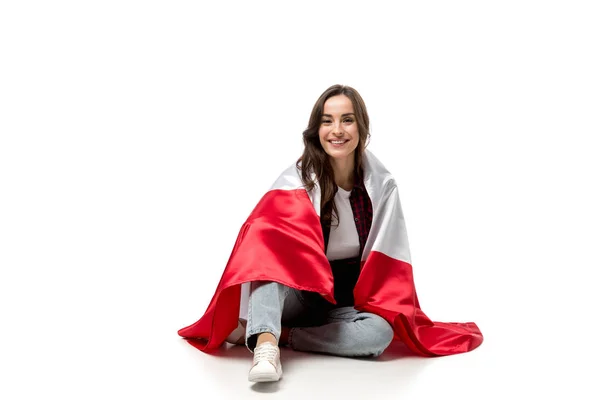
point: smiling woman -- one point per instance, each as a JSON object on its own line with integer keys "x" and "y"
{"x": 343, "y": 288}
{"x": 339, "y": 114}
{"x": 338, "y": 135}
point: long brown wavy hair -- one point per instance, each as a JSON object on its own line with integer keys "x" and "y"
{"x": 315, "y": 159}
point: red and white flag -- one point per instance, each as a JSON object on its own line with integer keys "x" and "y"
{"x": 282, "y": 241}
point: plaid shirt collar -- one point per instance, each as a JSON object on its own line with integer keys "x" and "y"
{"x": 359, "y": 184}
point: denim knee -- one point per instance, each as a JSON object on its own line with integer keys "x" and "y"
{"x": 380, "y": 336}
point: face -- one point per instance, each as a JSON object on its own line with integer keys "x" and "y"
{"x": 338, "y": 131}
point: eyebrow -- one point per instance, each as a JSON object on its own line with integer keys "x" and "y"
{"x": 343, "y": 115}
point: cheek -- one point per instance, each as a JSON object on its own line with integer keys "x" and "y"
{"x": 355, "y": 140}
{"x": 322, "y": 134}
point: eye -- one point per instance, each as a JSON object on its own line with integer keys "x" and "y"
{"x": 326, "y": 121}
{"x": 349, "y": 120}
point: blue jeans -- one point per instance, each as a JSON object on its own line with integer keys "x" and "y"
{"x": 316, "y": 325}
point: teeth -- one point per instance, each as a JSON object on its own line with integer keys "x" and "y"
{"x": 338, "y": 141}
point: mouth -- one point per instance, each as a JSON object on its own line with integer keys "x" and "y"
{"x": 338, "y": 143}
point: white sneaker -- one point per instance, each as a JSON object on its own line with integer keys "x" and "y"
{"x": 266, "y": 366}
{"x": 238, "y": 336}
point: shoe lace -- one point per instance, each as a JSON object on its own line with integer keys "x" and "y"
{"x": 265, "y": 352}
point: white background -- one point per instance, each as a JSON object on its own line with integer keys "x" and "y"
{"x": 137, "y": 136}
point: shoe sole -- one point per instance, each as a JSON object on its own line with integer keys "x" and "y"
{"x": 264, "y": 377}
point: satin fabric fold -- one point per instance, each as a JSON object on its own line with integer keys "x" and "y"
{"x": 282, "y": 241}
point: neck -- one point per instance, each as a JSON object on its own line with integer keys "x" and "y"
{"x": 343, "y": 172}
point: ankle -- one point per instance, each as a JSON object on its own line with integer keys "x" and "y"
{"x": 266, "y": 337}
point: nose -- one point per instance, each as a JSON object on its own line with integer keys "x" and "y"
{"x": 337, "y": 128}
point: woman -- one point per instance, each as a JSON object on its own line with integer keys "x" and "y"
{"x": 326, "y": 255}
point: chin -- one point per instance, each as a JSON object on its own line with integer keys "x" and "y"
{"x": 339, "y": 154}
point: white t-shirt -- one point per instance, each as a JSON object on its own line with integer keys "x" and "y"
{"x": 343, "y": 238}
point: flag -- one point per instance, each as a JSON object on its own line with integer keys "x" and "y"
{"x": 282, "y": 241}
